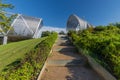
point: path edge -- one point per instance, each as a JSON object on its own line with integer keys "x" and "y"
{"x": 97, "y": 67}
{"x": 45, "y": 64}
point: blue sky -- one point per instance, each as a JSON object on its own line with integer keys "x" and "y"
{"x": 56, "y": 12}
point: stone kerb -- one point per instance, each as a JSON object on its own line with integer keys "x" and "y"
{"x": 45, "y": 64}
{"x": 97, "y": 67}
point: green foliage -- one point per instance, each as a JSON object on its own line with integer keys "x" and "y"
{"x": 70, "y": 32}
{"x": 45, "y": 33}
{"x": 102, "y": 43}
{"x": 117, "y": 24}
{"x": 99, "y": 28}
{"x": 5, "y": 22}
{"x": 62, "y": 33}
{"x": 30, "y": 65}
{"x": 4, "y": 6}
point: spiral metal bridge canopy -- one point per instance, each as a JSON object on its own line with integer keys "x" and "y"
{"x": 75, "y": 23}
{"x": 23, "y": 26}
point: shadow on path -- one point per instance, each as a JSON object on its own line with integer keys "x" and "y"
{"x": 66, "y": 63}
{"x": 77, "y": 71}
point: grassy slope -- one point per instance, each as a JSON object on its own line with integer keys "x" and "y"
{"x": 13, "y": 51}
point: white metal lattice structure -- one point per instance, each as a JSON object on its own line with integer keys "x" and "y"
{"x": 75, "y": 23}
{"x": 25, "y": 26}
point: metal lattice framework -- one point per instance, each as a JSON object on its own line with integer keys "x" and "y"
{"x": 75, "y": 23}
{"x": 24, "y": 26}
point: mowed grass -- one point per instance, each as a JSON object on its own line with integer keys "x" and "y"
{"x": 17, "y": 50}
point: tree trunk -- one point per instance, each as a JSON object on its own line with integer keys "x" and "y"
{"x": 5, "y": 40}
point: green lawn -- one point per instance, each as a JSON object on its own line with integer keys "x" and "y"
{"x": 13, "y": 51}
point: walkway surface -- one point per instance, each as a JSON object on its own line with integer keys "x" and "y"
{"x": 65, "y": 63}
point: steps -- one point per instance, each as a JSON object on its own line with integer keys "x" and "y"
{"x": 65, "y": 63}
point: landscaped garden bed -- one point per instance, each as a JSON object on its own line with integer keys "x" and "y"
{"x": 24, "y": 60}
{"x": 103, "y": 44}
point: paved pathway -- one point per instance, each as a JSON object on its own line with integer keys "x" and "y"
{"x": 65, "y": 63}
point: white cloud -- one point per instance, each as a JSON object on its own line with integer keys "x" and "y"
{"x": 50, "y": 28}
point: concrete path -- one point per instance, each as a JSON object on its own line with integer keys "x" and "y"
{"x": 65, "y": 63}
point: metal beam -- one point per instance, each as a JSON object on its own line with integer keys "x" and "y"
{"x": 37, "y": 28}
{"x": 27, "y": 25}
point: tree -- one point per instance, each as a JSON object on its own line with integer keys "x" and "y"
{"x": 5, "y": 21}
{"x": 45, "y": 33}
{"x": 62, "y": 33}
